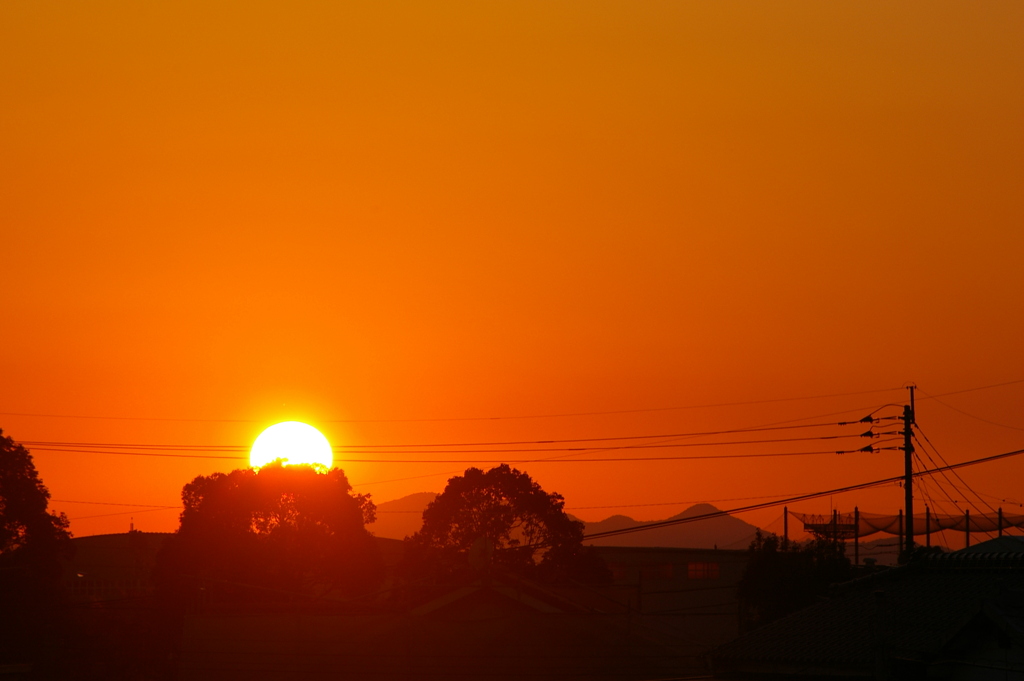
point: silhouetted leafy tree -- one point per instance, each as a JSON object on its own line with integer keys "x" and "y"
{"x": 783, "y": 576}
{"x": 24, "y": 521}
{"x": 502, "y": 517}
{"x": 264, "y": 534}
{"x": 32, "y": 542}
{"x": 924, "y": 552}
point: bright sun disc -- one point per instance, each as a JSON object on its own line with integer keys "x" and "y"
{"x": 294, "y": 442}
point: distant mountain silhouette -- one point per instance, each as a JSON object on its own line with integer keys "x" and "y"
{"x": 725, "y": 532}
{"x": 402, "y": 517}
{"x": 399, "y": 518}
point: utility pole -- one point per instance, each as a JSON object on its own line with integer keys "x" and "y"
{"x": 856, "y": 535}
{"x": 908, "y": 472}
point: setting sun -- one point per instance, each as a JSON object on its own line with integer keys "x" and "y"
{"x": 293, "y": 442}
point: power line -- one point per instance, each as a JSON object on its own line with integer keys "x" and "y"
{"x": 411, "y": 477}
{"x": 945, "y": 477}
{"x": 752, "y": 507}
{"x": 100, "y": 448}
{"x": 616, "y": 438}
{"x": 157, "y": 454}
{"x": 923, "y": 486}
{"x": 670, "y": 503}
{"x": 109, "y": 503}
{"x": 767, "y": 425}
{"x": 977, "y": 418}
{"x": 803, "y": 497}
{"x": 500, "y": 461}
{"x": 626, "y": 411}
{"x": 123, "y": 418}
{"x": 469, "y": 418}
{"x": 358, "y": 448}
{"x": 453, "y": 472}
{"x": 506, "y": 418}
{"x": 927, "y": 496}
{"x": 940, "y": 534}
{"x": 107, "y": 515}
{"x": 1005, "y": 500}
{"x": 971, "y": 390}
{"x": 959, "y": 491}
{"x": 958, "y": 476}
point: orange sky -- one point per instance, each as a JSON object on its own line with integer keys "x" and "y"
{"x": 241, "y": 213}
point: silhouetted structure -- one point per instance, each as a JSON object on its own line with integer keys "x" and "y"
{"x": 494, "y": 626}
{"x": 857, "y": 525}
{"x": 951, "y": 616}
{"x": 107, "y": 568}
{"x": 782, "y": 576}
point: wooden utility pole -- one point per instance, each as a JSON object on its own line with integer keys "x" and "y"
{"x": 908, "y": 473}
{"x": 902, "y": 533}
{"x": 856, "y": 535}
{"x": 927, "y": 526}
{"x": 785, "y": 525}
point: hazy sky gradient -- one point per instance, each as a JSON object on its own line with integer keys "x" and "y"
{"x": 227, "y": 210}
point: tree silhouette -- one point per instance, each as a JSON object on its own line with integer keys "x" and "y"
{"x": 502, "y": 517}
{"x": 783, "y": 576}
{"x": 272, "y": 533}
{"x": 32, "y": 542}
{"x": 24, "y": 521}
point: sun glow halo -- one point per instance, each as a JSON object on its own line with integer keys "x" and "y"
{"x": 294, "y": 442}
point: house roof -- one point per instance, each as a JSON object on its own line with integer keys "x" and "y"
{"x": 670, "y": 552}
{"x": 1004, "y": 544}
{"x": 128, "y": 555}
{"x": 1008, "y": 614}
{"x": 910, "y": 612}
{"x": 497, "y": 587}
